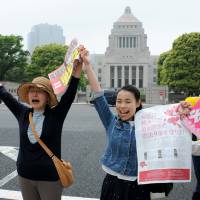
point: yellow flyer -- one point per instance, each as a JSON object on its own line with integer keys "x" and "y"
{"x": 60, "y": 77}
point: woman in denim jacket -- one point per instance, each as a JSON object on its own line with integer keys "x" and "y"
{"x": 120, "y": 158}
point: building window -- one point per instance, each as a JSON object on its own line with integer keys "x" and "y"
{"x": 141, "y": 72}
{"x": 127, "y": 42}
{"x": 126, "y": 74}
{"x": 120, "y": 42}
{"x": 119, "y": 83}
{"x": 131, "y": 42}
{"x": 112, "y": 73}
{"x": 134, "y": 42}
{"x": 133, "y": 75}
{"x": 112, "y": 83}
{"x": 124, "y": 40}
{"x": 119, "y": 76}
{"x": 140, "y": 83}
{"x": 99, "y": 70}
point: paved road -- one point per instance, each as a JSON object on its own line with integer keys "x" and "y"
{"x": 83, "y": 141}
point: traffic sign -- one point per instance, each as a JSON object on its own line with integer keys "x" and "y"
{"x": 162, "y": 93}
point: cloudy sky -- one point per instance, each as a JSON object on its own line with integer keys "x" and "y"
{"x": 91, "y": 21}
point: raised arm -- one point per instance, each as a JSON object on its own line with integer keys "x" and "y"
{"x": 99, "y": 100}
{"x": 94, "y": 84}
{"x": 69, "y": 95}
{"x": 78, "y": 69}
{"x": 13, "y": 105}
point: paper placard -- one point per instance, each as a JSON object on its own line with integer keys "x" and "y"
{"x": 60, "y": 77}
{"x": 163, "y": 146}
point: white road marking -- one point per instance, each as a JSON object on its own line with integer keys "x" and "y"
{"x": 9, "y": 177}
{"x": 8, "y": 194}
{"x": 158, "y": 195}
{"x": 10, "y": 152}
{"x": 16, "y": 195}
{"x": 76, "y": 198}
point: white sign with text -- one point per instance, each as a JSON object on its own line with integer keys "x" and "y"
{"x": 163, "y": 146}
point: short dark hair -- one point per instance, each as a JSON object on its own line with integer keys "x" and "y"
{"x": 134, "y": 91}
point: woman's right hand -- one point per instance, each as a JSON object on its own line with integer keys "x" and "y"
{"x": 84, "y": 54}
{"x": 94, "y": 84}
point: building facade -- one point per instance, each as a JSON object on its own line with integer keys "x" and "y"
{"x": 45, "y": 34}
{"x": 127, "y": 59}
{"x": 11, "y": 87}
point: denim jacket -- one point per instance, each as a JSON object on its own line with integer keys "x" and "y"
{"x": 120, "y": 155}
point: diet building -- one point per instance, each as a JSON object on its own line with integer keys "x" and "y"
{"x": 127, "y": 59}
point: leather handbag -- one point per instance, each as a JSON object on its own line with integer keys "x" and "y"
{"x": 64, "y": 168}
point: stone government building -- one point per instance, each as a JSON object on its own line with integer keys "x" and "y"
{"x": 127, "y": 60}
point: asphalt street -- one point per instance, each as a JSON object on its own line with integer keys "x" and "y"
{"x": 83, "y": 142}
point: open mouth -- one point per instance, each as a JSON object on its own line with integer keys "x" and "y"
{"x": 35, "y": 101}
{"x": 123, "y": 113}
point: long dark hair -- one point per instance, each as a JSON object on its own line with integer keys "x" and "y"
{"x": 135, "y": 92}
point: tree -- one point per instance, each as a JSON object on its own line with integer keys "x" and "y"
{"x": 161, "y": 70}
{"x": 12, "y": 58}
{"x": 179, "y": 68}
{"x": 16, "y": 74}
{"x": 83, "y": 83}
{"x": 47, "y": 58}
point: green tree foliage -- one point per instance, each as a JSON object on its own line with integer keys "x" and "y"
{"x": 179, "y": 68}
{"x": 161, "y": 70}
{"x": 47, "y": 58}
{"x": 13, "y": 59}
{"x": 83, "y": 83}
